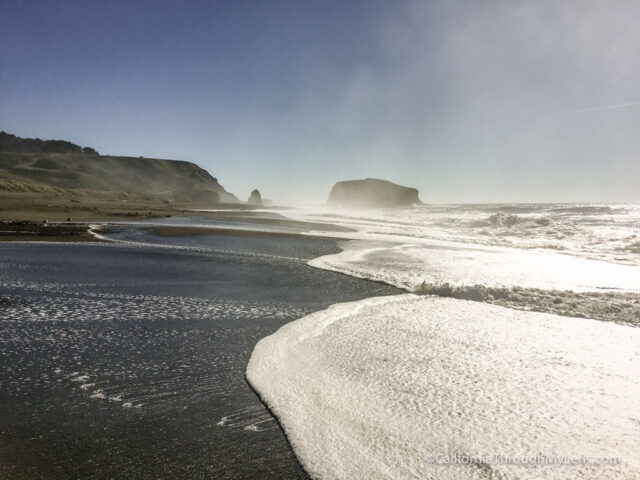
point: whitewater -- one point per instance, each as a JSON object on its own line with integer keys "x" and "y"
{"x": 519, "y": 339}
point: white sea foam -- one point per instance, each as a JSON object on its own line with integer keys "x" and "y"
{"x": 387, "y": 387}
{"x": 410, "y": 266}
{"x": 605, "y": 232}
{"x": 554, "y": 247}
{"x": 383, "y": 388}
{"x": 99, "y": 394}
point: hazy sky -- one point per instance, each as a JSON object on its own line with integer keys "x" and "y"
{"x": 469, "y": 101}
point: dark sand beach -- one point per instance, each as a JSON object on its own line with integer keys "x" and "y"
{"x": 25, "y": 217}
{"x": 127, "y": 360}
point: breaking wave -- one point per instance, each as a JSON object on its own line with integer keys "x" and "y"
{"x": 623, "y": 308}
{"x": 604, "y": 232}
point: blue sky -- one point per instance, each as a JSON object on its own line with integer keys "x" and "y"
{"x": 469, "y": 101}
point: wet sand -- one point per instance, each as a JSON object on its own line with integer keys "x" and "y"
{"x": 127, "y": 361}
{"x": 33, "y": 218}
{"x": 45, "y": 232}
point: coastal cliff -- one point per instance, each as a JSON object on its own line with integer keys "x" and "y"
{"x": 50, "y": 166}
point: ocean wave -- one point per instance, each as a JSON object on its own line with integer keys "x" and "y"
{"x": 586, "y": 209}
{"x": 502, "y": 350}
{"x": 623, "y": 308}
{"x": 605, "y": 232}
{"x": 631, "y": 247}
{"x": 525, "y": 280}
{"x": 411, "y": 266}
{"x": 510, "y": 220}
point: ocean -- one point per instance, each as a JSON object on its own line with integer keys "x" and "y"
{"x": 569, "y": 259}
{"x": 496, "y": 341}
{"x": 513, "y": 354}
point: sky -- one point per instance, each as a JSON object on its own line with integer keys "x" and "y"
{"x": 468, "y": 101}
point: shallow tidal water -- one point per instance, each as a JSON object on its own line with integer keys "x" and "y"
{"x": 128, "y": 360}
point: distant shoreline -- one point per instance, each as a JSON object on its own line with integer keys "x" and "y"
{"x": 45, "y": 232}
{"x": 79, "y": 230}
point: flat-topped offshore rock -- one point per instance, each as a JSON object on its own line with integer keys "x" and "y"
{"x": 373, "y": 193}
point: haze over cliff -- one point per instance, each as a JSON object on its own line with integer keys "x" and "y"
{"x": 372, "y": 193}
{"x": 32, "y": 165}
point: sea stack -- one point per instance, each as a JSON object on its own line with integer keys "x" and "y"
{"x": 255, "y": 198}
{"x": 372, "y": 193}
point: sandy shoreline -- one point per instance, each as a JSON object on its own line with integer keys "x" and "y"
{"x": 82, "y": 232}
{"x": 25, "y": 217}
{"x": 157, "y": 330}
{"x": 46, "y": 232}
{"x": 33, "y": 217}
